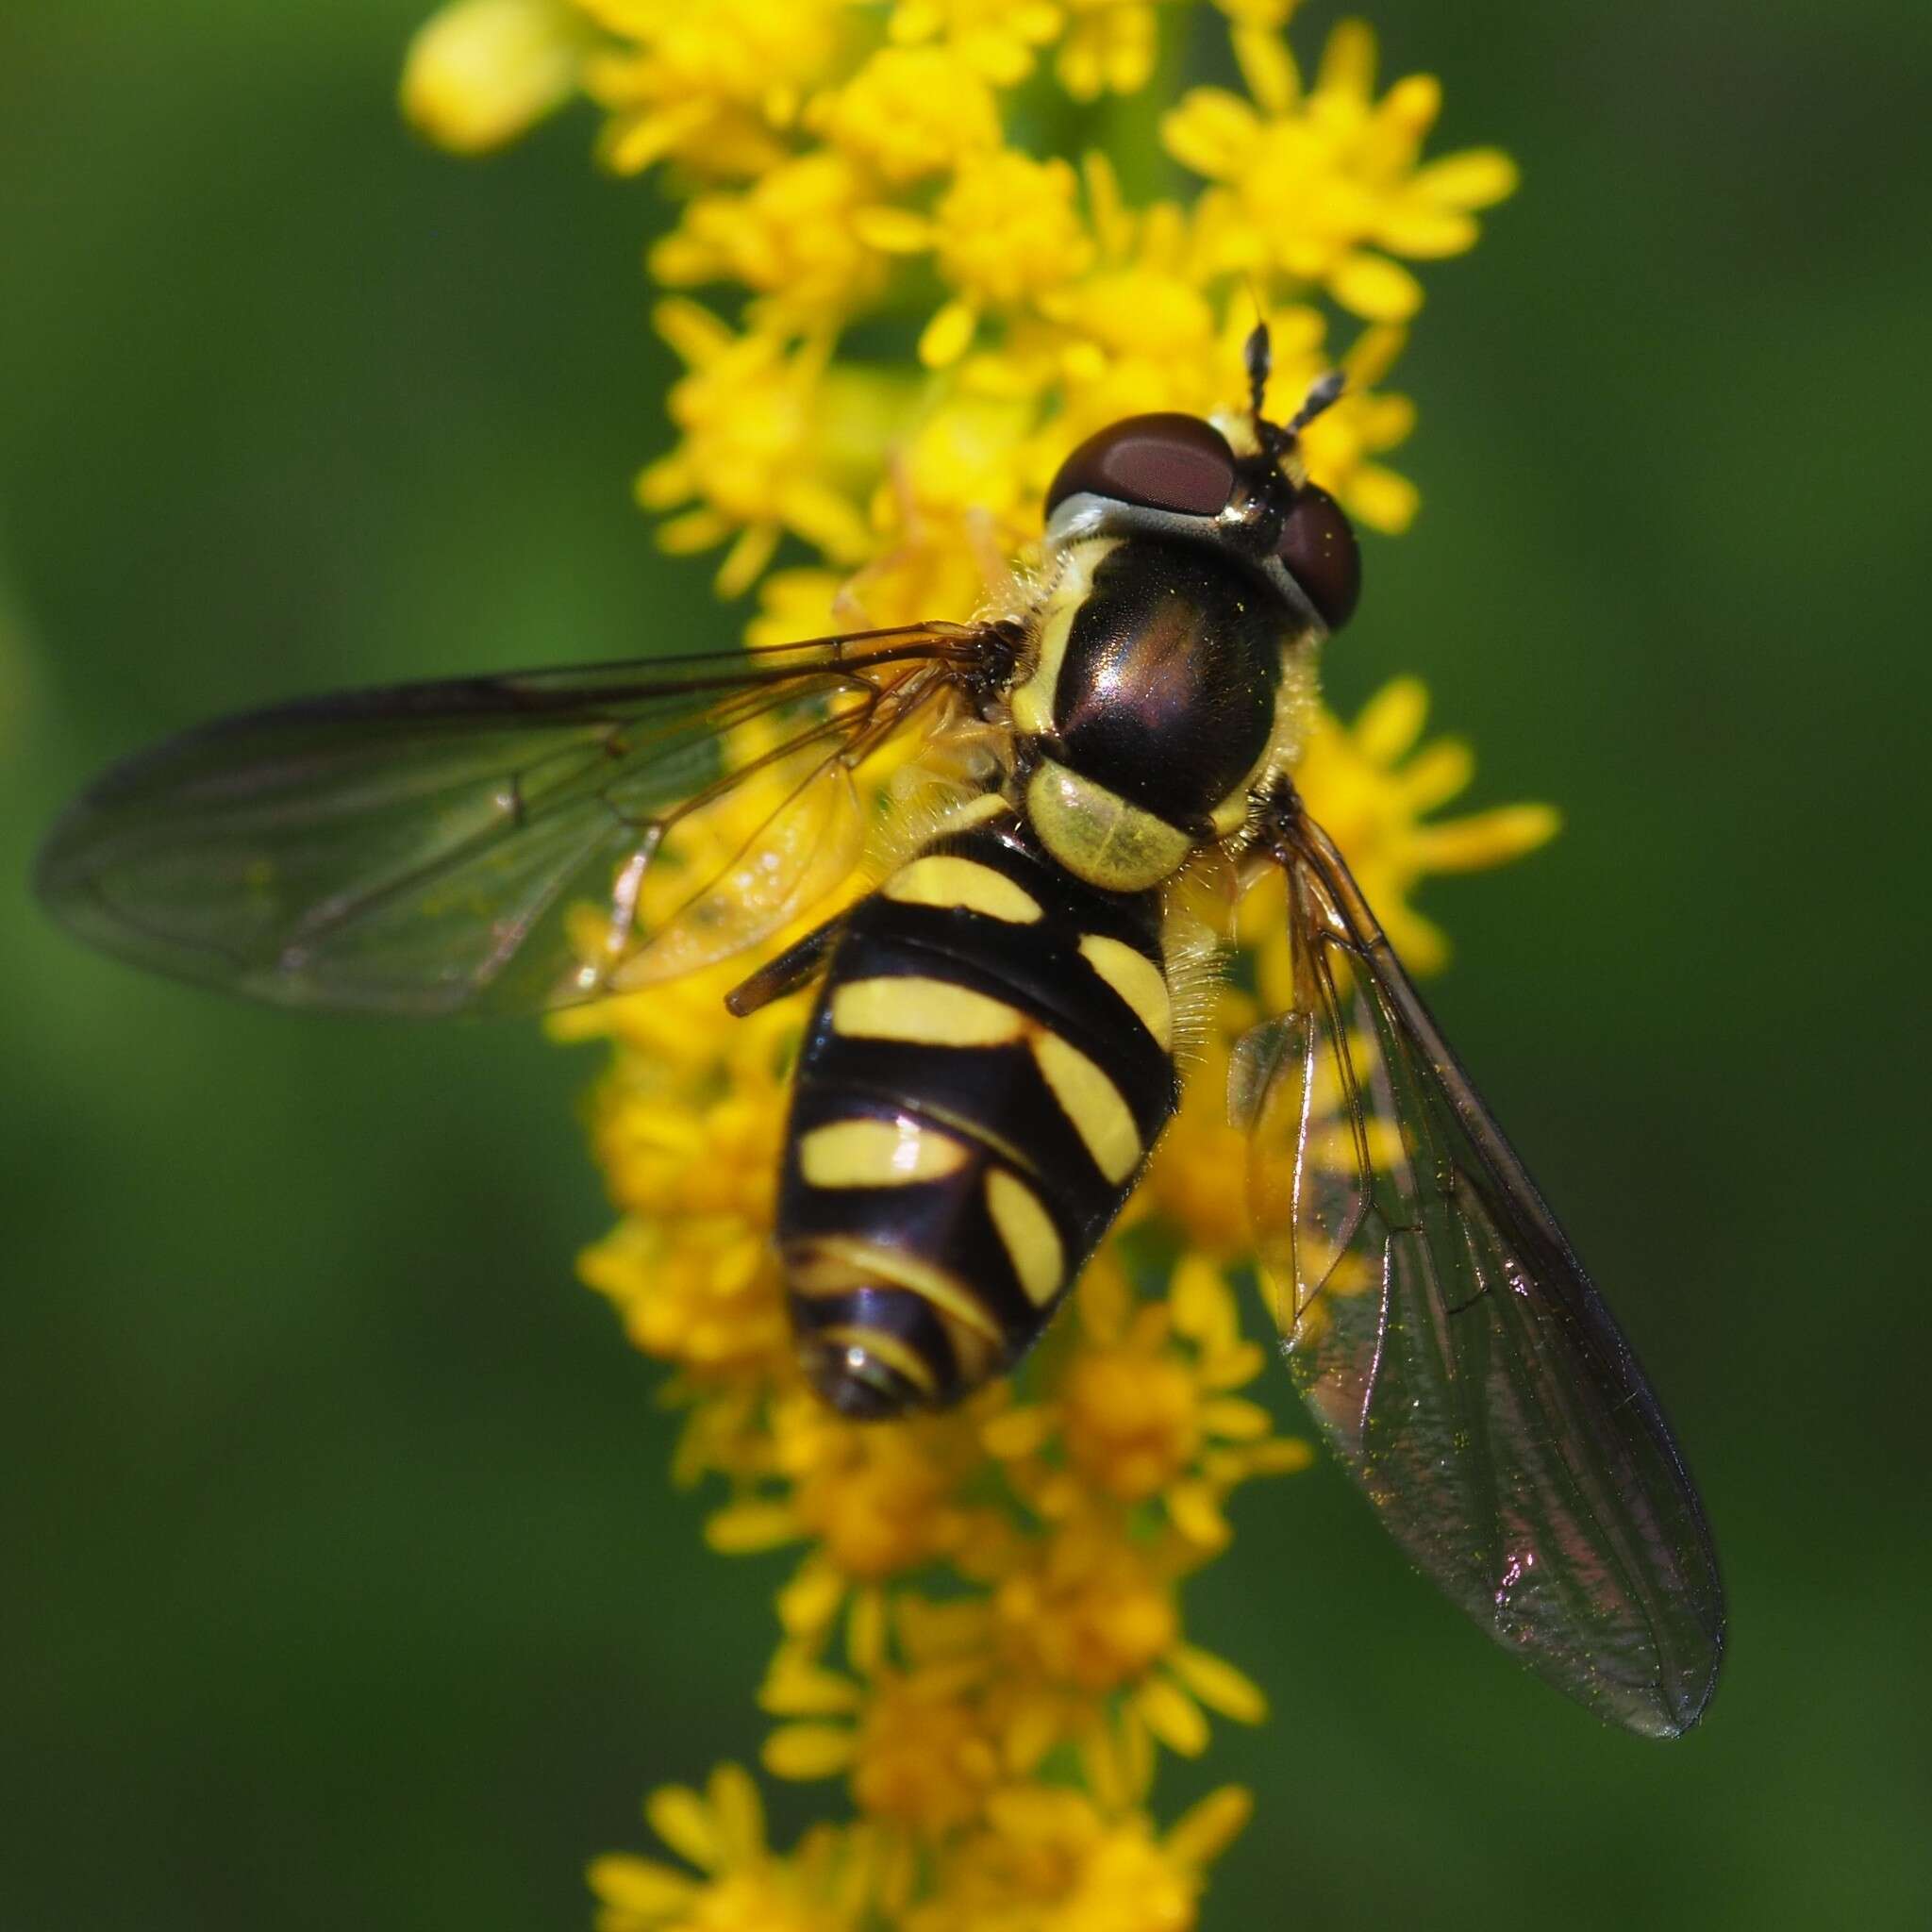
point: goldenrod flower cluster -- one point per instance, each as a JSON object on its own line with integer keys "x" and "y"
{"x": 917, "y": 286}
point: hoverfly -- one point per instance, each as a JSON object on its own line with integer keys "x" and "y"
{"x": 990, "y": 1059}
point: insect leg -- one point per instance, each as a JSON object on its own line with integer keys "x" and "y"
{"x": 798, "y": 965}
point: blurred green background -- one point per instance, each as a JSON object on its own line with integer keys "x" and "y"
{"x": 343, "y": 1587}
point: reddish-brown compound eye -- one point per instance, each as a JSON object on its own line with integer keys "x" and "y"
{"x": 1318, "y": 546}
{"x": 1161, "y": 461}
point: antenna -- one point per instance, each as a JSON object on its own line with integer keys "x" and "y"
{"x": 1324, "y": 393}
{"x": 1259, "y": 354}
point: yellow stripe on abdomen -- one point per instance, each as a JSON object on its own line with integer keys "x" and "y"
{"x": 1026, "y": 1232}
{"x": 867, "y": 1152}
{"x": 1137, "y": 979}
{"x": 942, "y": 880}
{"x": 914, "y": 1009}
{"x": 929, "y": 1012}
{"x": 900, "y": 1357}
{"x": 840, "y": 1263}
{"x": 1096, "y": 1107}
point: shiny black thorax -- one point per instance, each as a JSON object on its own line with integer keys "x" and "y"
{"x": 1166, "y": 692}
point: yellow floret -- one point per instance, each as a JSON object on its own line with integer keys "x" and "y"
{"x": 481, "y": 72}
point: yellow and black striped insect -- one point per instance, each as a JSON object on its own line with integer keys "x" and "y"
{"x": 990, "y": 1057}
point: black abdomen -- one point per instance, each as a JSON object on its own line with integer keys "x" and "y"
{"x": 987, "y": 1068}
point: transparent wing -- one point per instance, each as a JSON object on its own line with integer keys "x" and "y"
{"x": 1450, "y": 1344}
{"x": 500, "y": 845}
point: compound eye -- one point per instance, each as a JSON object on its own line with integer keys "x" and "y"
{"x": 1161, "y": 461}
{"x": 1318, "y": 546}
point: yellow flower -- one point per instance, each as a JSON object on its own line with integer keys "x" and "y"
{"x": 790, "y": 238}
{"x": 1090, "y": 1610}
{"x": 1144, "y": 1410}
{"x": 956, "y": 504}
{"x": 686, "y": 1127}
{"x": 1372, "y": 788}
{"x": 910, "y": 113}
{"x": 713, "y": 85}
{"x": 919, "y": 1757}
{"x": 916, "y": 1739}
{"x": 742, "y": 1886}
{"x": 1078, "y": 1642}
{"x": 1110, "y": 48}
{"x": 878, "y": 1501}
{"x": 1086, "y": 1623}
{"x": 1315, "y": 184}
{"x": 751, "y": 407}
{"x": 1005, "y": 232}
{"x": 481, "y": 72}
{"x": 1052, "y": 1860}
{"x": 1137, "y": 330}
{"x": 699, "y": 1292}
{"x": 1262, "y": 13}
{"x": 995, "y": 38}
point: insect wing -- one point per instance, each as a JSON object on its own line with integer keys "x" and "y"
{"x": 498, "y": 844}
{"x": 1448, "y": 1342}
